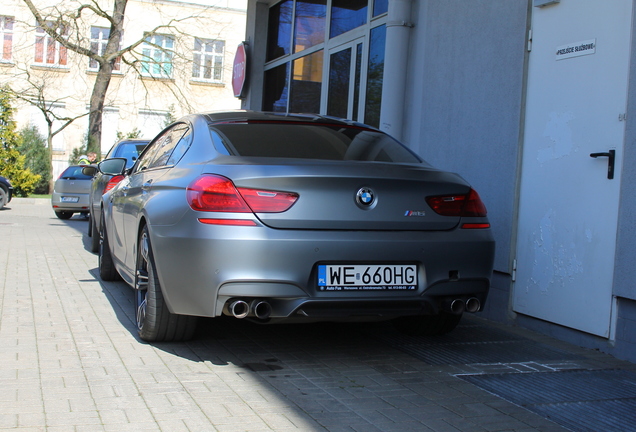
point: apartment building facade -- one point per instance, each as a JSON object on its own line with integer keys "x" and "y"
{"x": 182, "y": 64}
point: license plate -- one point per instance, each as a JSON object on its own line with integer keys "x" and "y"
{"x": 362, "y": 277}
{"x": 70, "y": 199}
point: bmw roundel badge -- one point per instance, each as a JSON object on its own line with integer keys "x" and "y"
{"x": 365, "y": 196}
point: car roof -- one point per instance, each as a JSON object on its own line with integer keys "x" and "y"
{"x": 240, "y": 116}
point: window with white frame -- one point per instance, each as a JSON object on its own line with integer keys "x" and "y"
{"x": 99, "y": 40}
{"x": 157, "y": 56}
{"x": 48, "y": 51}
{"x": 56, "y": 110}
{"x": 207, "y": 60}
{"x": 6, "y": 34}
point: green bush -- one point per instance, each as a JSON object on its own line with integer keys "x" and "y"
{"x": 12, "y": 163}
{"x": 33, "y": 146}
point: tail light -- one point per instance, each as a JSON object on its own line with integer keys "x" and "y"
{"x": 469, "y": 205}
{"x": 261, "y": 201}
{"x": 114, "y": 180}
{"x": 214, "y": 193}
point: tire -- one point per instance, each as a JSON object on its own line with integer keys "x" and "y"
{"x": 427, "y": 325}
{"x": 4, "y": 197}
{"x": 93, "y": 233}
{"x": 107, "y": 270}
{"x": 155, "y": 323}
{"x": 64, "y": 214}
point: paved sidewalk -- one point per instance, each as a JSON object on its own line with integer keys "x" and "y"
{"x": 70, "y": 360}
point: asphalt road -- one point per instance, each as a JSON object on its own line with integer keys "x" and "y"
{"x": 70, "y": 360}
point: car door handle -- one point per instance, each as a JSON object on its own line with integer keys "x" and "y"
{"x": 146, "y": 186}
{"x": 611, "y": 155}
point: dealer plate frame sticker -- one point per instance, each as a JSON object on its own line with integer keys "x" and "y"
{"x": 367, "y": 277}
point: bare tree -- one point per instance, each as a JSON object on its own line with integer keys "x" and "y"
{"x": 67, "y": 24}
{"x": 106, "y": 61}
{"x": 35, "y": 94}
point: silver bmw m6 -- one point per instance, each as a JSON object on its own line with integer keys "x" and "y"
{"x": 280, "y": 217}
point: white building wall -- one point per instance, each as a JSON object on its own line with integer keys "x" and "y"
{"x": 128, "y": 94}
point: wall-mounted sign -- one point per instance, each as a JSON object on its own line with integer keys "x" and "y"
{"x": 239, "y": 71}
{"x": 576, "y": 49}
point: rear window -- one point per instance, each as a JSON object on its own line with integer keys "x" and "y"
{"x": 130, "y": 151}
{"x": 310, "y": 141}
{"x": 74, "y": 173}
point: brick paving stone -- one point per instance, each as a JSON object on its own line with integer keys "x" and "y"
{"x": 70, "y": 360}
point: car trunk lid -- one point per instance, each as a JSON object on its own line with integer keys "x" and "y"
{"x": 353, "y": 196}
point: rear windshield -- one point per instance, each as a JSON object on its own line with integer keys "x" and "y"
{"x": 130, "y": 151}
{"x": 74, "y": 173}
{"x": 310, "y": 141}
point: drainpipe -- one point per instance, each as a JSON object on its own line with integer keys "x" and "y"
{"x": 395, "y": 62}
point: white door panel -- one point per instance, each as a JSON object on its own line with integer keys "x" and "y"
{"x": 568, "y": 211}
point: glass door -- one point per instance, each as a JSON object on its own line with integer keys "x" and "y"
{"x": 344, "y": 80}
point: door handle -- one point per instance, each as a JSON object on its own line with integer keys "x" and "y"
{"x": 611, "y": 155}
{"x": 146, "y": 186}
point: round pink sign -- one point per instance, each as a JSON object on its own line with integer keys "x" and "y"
{"x": 239, "y": 71}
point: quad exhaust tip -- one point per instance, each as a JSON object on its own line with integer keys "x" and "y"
{"x": 459, "y": 306}
{"x": 239, "y": 309}
{"x": 260, "y": 309}
{"x": 473, "y": 305}
{"x": 256, "y": 308}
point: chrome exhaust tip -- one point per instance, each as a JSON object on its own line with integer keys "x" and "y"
{"x": 261, "y": 309}
{"x": 454, "y": 306}
{"x": 457, "y": 306}
{"x": 239, "y": 309}
{"x": 473, "y": 305}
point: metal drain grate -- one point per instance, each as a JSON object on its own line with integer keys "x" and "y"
{"x": 474, "y": 344}
{"x": 589, "y": 400}
{"x": 489, "y": 352}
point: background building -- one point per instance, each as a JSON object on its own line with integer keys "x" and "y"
{"x": 528, "y": 100}
{"x": 183, "y": 66}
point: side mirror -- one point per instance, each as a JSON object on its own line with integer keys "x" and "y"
{"x": 113, "y": 167}
{"x": 89, "y": 170}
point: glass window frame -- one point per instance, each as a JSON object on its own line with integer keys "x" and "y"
{"x": 6, "y": 35}
{"x": 330, "y": 45}
{"x": 157, "y": 59}
{"x": 98, "y": 46}
{"x": 158, "y": 153}
{"x": 48, "y": 51}
{"x": 201, "y": 56}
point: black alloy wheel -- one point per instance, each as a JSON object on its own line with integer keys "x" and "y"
{"x": 93, "y": 233}
{"x": 155, "y": 323}
{"x": 141, "y": 280}
{"x": 107, "y": 270}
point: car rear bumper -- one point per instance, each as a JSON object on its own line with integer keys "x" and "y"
{"x": 204, "y": 268}
{"x": 81, "y": 205}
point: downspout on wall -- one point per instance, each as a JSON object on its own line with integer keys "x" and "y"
{"x": 395, "y": 65}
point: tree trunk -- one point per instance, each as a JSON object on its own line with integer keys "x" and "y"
{"x": 102, "y": 81}
{"x": 49, "y": 142}
{"x": 98, "y": 96}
